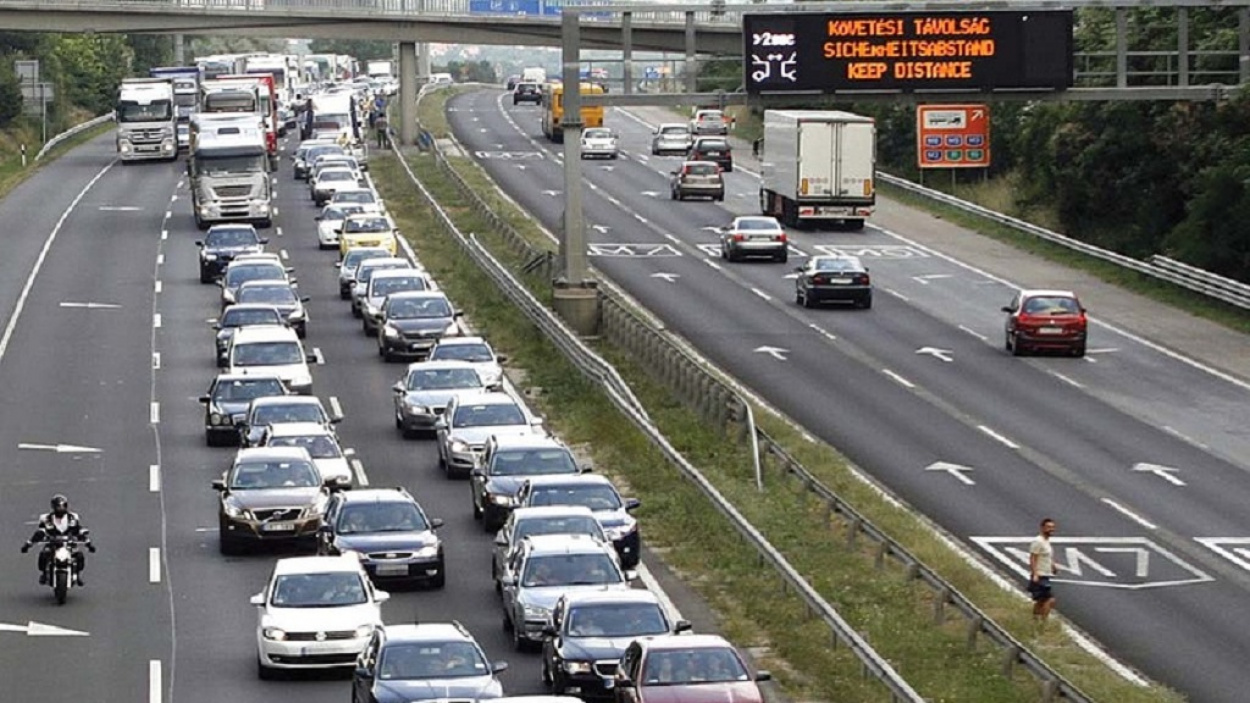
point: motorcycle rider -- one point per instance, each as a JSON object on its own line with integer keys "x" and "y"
{"x": 59, "y": 523}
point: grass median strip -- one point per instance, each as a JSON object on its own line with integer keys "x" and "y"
{"x": 892, "y": 613}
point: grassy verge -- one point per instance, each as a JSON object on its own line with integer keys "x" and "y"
{"x": 13, "y": 173}
{"x": 894, "y": 615}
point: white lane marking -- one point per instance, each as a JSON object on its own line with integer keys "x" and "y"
{"x": 43, "y": 254}
{"x": 762, "y": 294}
{"x": 640, "y": 218}
{"x": 321, "y": 360}
{"x": 1101, "y": 655}
{"x": 974, "y": 333}
{"x": 154, "y": 478}
{"x": 156, "y": 320}
{"x": 173, "y": 199}
{"x": 335, "y": 407}
{"x": 1184, "y": 437}
{"x": 156, "y": 361}
{"x": 154, "y": 415}
{"x": 1001, "y": 439}
{"x": 711, "y": 264}
{"x": 164, "y": 234}
{"x": 672, "y": 238}
{"x": 282, "y": 253}
{"x": 279, "y": 229}
{"x": 1071, "y": 382}
{"x": 160, "y": 259}
{"x": 154, "y": 565}
{"x": 158, "y": 287}
{"x": 897, "y": 294}
{"x": 359, "y": 469}
{"x": 898, "y": 379}
{"x": 91, "y": 305}
{"x": 155, "y": 687}
{"x": 1130, "y": 514}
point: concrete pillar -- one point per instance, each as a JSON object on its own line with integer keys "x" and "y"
{"x": 627, "y": 43}
{"x": 574, "y": 298}
{"x": 423, "y": 64}
{"x": 407, "y": 93}
{"x": 180, "y": 51}
{"x": 691, "y": 67}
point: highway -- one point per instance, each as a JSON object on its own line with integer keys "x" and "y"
{"x": 105, "y": 361}
{"x": 1135, "y": 450}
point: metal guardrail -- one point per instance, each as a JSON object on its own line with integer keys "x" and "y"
{"x": 76, "y": 129}
{"x": 1222, "y": 289}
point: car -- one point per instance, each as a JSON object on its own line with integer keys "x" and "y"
{"x": 714, "y": 122}
{"x": 839, "y": 278}
{"x": 527, "y": 93}
{"x": 1045, "y": 320}
{"x": 281, "y": 295}
{"x": 590, "y": 632}
{"x": 240, "y": 272}
{"x": 754, "y": 236}
{"x": 322, "y": 445}
{"x": 351, "y": 260}
{"x": 365, "y": 270}
{"x": 388, "y": 532}
{"x": 506, "y": 463}
{"x": 422, "y": 662}
{"x": 512, "y": 82}
{"x": 540, "y": 520}
{"x": 368, "y": 230}
{"x": 237, "y": 316}
{"x": 224, "y": 242}
{"x": 714, "y": 149}
{"x": 471, "y": 419}
{"x": 315, "y": 613}
{"x": 263, "y": 412}
{"x": 597, "y": 493}
{"x": 364, "y": 198}
{"x": 346, "y": 161}
{"x": 671, "y": 138}
{"x": 226, "y": 404}
{"x": 685, "y": 668}
{"x": 309, "y": 151}
{"x": 330, "y": 220}
{"x": 329, "y": 180}
{"x": 475, "y": 350}
{"x": 599, "y": 142}
{"x": 269, "y": 495}
{"x": 702, "y": 179}
{"x": 546, "y": 567}
{"x": 422, "y": 394}
{"x": 271, "y": 351}
{"x": 384, "y": 283}
{"x": 411, "y": 323}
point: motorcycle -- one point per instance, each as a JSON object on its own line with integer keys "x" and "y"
{"x": 63, "y": 561}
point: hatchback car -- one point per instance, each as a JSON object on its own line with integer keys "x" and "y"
{"x": 240, "y": 272}
{"x": 422, "y": 662}
{"x": 685, "y": 668}
{"x": 238, "y": 316}
{"x": 365, "y": 270}
{"x": 754, "y": 236}
{"x": 271, "y": 351}
{"x": 597, "y": 493}
{"x": 384, "y": 283}
{"x": 269, "y": 495}
{"x": 330, "y": 221}
{"x": 351, "y": 260}
{"x": 389, "y": 534}
{"x": 476, "y": 351}
{"x": 422, "y": 395}
{"x": 842, "y": 279}
{"x": 309, "y": 151}
{"x": 264, "y": 411}
{"x": 330, "y": 180}
{"x": 281, "y": 295}
{"x": 698, "y": 179}
{"x": 315, "y": 613}
{"x": 336, "y": 161}
{"x": 527, "y": 93}
{"x": 599, "y": 142}
{"x": 671, "y": 138}
{"x": 411, "y": 323}
{"x": 365, "y": 198}
{"x": 227, "y": 401}
{"x": 470, "y": 420}
{"x": 1045, "y": 320}
{"x": 710, "y": 122}
{"x": 540, "y": 520}
{"x": 224, "y": 242}
{"x": 368, "y": 230}
{"x": 506, "y": 463}
{"x": 322, "y": 445}
{"x": 714, "y": 149}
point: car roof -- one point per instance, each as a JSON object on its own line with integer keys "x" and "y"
{"x": 287, "y": 453}
{"x": 254, "y": 260}
{"x": 386, "y": 260}
{"x": 1048, "y": 292}
{"x": 231, "y": 225}
{"x": 569, "y": 480}
{"x": 299, "y": 429}
{"x": 486, "y": 398}
{"x": 632, "y": 595}
{"x": 264, "y": 333}
{"x": 699, "y": 162}
{"x": 249, "y": 307}
{"x": 417, "y": 294}
{"x": 398, "y": 273}
{"x": 349, "y": 563}
{"x": 564, "y": 544}
{"x": 377, "y": 495}
{"x": 426, "y": 632}
{"x": 529, "y": 441}
{"x": 376, "y": 250}
{"x": 854, "y": 260}
{"x": 287, "y": 400}
{"x": 230, "y": 377}
{"x": 441, "y": 364}
{"x": 682, "y": 125}
{"x": 461, "y": 341}
{"x": 757, "y": 218}
{"x": 258, "y": 282}
{"x": 357, "y": 189}
{"x": 542, "y": 511}
{"x": 685, "y": 641}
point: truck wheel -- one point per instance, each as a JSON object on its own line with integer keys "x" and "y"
{"x": 265, "y": 223}
{"x": 856, "y": 224}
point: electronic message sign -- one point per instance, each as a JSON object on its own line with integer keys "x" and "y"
{"x": 907, "y": 51}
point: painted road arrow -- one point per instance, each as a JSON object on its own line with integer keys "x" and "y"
{"x": 775, "y": 352}
{"x": 670, "y": 277}
{"x": 60, "y": 448}
{"x": 943, "y": 354}
{"x": 955, "y": 470}
{"x": 651, "y": 193}
{"x": 601, "y": 229}
{"x": 38, "y": 629}
{"x": 91, "y": 306}
{"x": 929, "y": 277}
{"x": 1163, "y": 472}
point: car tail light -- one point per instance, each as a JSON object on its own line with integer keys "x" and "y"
{"x": 818, "y": 280}
{"x": 780, "y": 237}
{"x": 862, "y": 279}
{"x": 737, "y": 237}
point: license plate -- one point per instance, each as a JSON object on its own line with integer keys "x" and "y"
{"x": 839, "y": 281}
{"x": 1050, "y": 330}
{"x": 392, "y": 569}
{"x": 278, "y": 527}
{"x": 713, "y": 153}
{"x": 761, "y": 237}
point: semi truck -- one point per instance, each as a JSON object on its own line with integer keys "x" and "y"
{"x": 228, "y": 170}
{"x": 147, "y": 122}
{"x": 379, "y": 69}
{"x": 186, "y": 80}
{"x": 818, "y": 166}
{"x": 263, "y": 87}
{"x": 336, "y": 115}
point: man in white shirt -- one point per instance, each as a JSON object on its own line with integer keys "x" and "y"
{"x": 1041, "y": 567}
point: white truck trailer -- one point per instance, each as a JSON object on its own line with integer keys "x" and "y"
{"x": 818, "y": 166}
{"x": 147, "y": 121}
{"x": 228, "y": 170}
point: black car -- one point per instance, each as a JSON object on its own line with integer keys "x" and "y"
{"x": 714, "y": 149}
{"x": 227, "y": 401}
{"x": 390, "y": 532}
{"x": 506, "y": 463}
{"x": 241, "y": 315}
{"x": 224, "y": 242}
{"x": 589, "y": 632}
{"x": 527, "y": 93}
{"x": 842, "y": 279}
{"x": 412, "y": 323}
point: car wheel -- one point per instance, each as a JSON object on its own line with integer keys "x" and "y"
{"x": 507, "y": 622}
{"x": 720, "y": 198}
{"x": 345, "y": 294}
{"x": 387, "y": 356}
{"x": 228, "y": 547}
{"x": 783, "y": 257}
{"x": 1016, "y": 349}
{"x": 518, "y": 641}
{"x": 1078, "y": 350}
{"x": 866, "y": 303}
{"x": 364, "y": 327}
{"x": 807, "y": 300}
{"x": 205, "y": 277}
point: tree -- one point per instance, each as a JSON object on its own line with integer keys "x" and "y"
{"x": 10, "y": 95}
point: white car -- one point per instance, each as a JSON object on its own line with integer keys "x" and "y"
{"x": 330, "y": 221}
{"x": 368, "y": 200}
{"x": 271, "y": 351}
{"x": 322, "y": 445}
{"x": 476, "y": 351}
{"x": 330, "y": 181}
{"x": 599, "y": 142}
{"x": 315, "y": 613}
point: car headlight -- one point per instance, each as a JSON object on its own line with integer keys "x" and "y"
{"x": 274, "y": 633}
{"x": 232, "y": 510}
{"x": 390, "y": 331}
{"x": 459, "y": 446}
{"x": 210, "y": 257}
{"x": 301, "y": 381}
{"x": 216, "y": 419}
{"x": 296, "y": 315}
{"x": 577, "y": 667}
{"x": 536, "y": 612}
{"x": 426, "y": 552}
{"x": 416, "y": 407}
{"x": 363, "y": 631}
{"x": 501, "y": 499}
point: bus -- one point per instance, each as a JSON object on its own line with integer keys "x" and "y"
{"x": 553, "y": 110}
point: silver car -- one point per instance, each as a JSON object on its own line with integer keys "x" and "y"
{"x": 470, "y": 420}
{"x": 384, "y": 283}
{"x": 671, "y": 138}
{"x": 351, "y": 261}
{"x": 329, "y": 181}
{"x": 755, "y": 235}
{"x": 475, "y": 350}
{"x": 539, "y": 520}
{"x": 422, "y": 394}
{"x": 599, "y": 142}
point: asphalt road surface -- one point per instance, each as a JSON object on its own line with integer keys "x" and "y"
{"x": 1137, "y": 451}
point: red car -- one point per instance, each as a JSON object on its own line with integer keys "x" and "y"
{"x": 1045, "y": 320}
{"x": 685, "y": 669}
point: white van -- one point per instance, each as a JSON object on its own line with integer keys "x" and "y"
{"x": 441, "y": 79}
{"x": 271, "y": 351}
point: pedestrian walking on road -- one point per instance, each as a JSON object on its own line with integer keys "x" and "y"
{"x": 1041, "y": 568}
{"x": 380, "y": 125}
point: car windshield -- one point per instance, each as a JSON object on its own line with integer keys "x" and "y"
{"x": 335, "y": 213}
{"x": 252, "y": 316}
{"x": 834, "y": 264}
{"x": 715, "y": 144}
{"x": 462, "y": 352}
{"x": 492, "y": 415}
{"x": 570, "y": 570}
{"x": 365, "y": 273}
{"x": 247, "y": 389}
{"x": 272, "y": 414}
{"x": 675, "y": 131}
{"x": 597, "y": 133}
{"x": 431, "y": 660}
{"x": 615, "y": 620}
{"x": 711, "y": 115}
{"x": 417, "y": 308}
{"x": 596, "y": 497}
{"x": 756, "y": 225}
{"x": 336, "y": 175}
{"x": 238, "y": 275}
{"x": 366, "y": 224}
{"x": 382, "y": 287}
{"x": 266, "y": 294}
{"x": 252, "y": 475}
{"x": 563, "y": 525}
{"x": 381, "y": 517}
{"x": 443, "y": 379}
{"x": 354, "y": 196}
{"x": 532, "y": 462}
{"x": 1051, "y": 305}
{"x": 267, "y": 354}
{"x": 318, "y": 446}
{"x": 319, "y": 590}
{"x": 231, "y": 237}
{"x": 316, "y": 151}
{"x": 693, "y": 666}
{"x": 355, "y": 256}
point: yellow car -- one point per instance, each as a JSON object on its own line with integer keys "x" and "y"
{"x": 368, "y": 230}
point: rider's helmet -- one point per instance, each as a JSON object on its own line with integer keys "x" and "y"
{"x": 60, "y": 505}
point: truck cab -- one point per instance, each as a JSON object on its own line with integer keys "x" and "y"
{"x": 146, "y": 120}
{"x": 228, "y": 170}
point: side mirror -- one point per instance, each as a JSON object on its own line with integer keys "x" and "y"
{"x": 290, "y": 269}
{"x": 215, "y": 324}
{"x": 549, "y": 631}
{"x": 199, "y": 242}
{"x": 477, "y": 472}
{"x": 381, "y": 596}
{"x": 219, "y": 484}
{"x": 763, "y": 676}
{"x": 500, "y": 540}
{"x": 205, "y": 399}
{"x": 264, "y": 240}
{"x": 1007, "y": 308}
{"x": 399, "y": 388}
{"x": 498, "y": 667}
{"x": 338, "y": 264}
{"x": 334, "y": 420}
{"x": 310, "y": 358}
{"x": 623, "y": 682}
{"x": 440, "y": 424}
{"x": 305, "y": 299}
{"x": 798, "y": 268}
{"x": 632, "y": 504}
{"x": 500, "y": 358}
{"x": 631, "y": 575}
{"x": 507, "y": 580}
{"x": 362, "y": 673}
{"x": 436, "y": 522}
{"x": 325, "y": 530}
{"x": 318, "y": 218}
{"x": 349, "y": 452}
{"x": 258, "y": 599}
{"x": 536, "y": 422}
{"x": 586, "y": 468}
{"x": 682, "y": 626}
